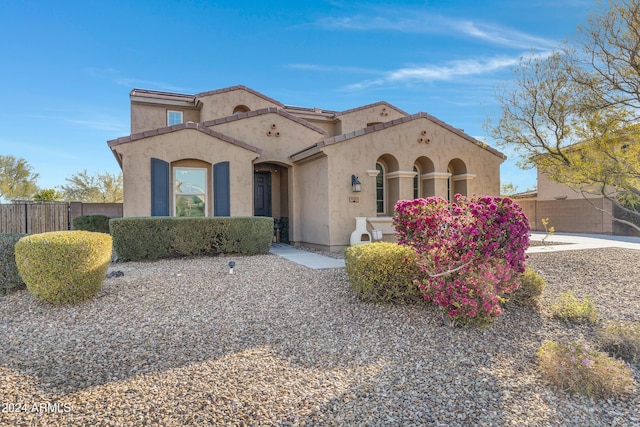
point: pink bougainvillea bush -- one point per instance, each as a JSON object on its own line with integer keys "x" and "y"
{"x": 471, "y": 251}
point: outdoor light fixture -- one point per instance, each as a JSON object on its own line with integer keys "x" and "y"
{"x": 355, "y": 184}
{"x": 231, "y": 265}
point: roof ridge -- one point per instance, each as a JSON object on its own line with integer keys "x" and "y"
{"x": 391, "y": 123}
{"x": 238, "y": 87}
{"x": 375, "y": 104}
{"x": 262, "y": 111}
{"x": 187, "y": 125}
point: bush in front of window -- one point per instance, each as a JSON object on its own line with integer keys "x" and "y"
{"x": 9, "y": 277}
{"x": 139, "y": 238}
{"x": 63, "y": 267}
{"x": 96, "y": 223}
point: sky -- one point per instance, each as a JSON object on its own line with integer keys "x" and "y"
{"x": 67, "y": 67}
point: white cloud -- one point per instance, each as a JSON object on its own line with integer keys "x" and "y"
{"x": 148, "y": 84}
{"x": 332, "y": 68}
{"x": 448, "y": 72}
{"x": 421, "y": 22}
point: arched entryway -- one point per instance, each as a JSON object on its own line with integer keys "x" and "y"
{"x": 271, "y": 196}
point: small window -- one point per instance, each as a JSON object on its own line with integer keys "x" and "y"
{"x": 380, "y": 189}
{"x": 190, "y": 191}
{"x": 174, "y": 118}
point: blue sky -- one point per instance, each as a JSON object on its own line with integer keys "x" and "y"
{"x": 68, "y": 66}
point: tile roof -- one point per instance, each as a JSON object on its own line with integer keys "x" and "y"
{"x": 270, "y": 110}
{"x": 188, "y": 125}
{"x": 375, "y": 104}
{"x": 392, "y": 123}
{"x": 238, "y": 87}
{"x": 310, "y": 110}
{"x": 155, "y": 94}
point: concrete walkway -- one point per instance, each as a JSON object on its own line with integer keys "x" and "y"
{"x": 306, "y": 258}
{"x": 569, "y": 242}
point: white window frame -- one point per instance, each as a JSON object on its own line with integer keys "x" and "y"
{"x": 175, "y": 192}
{"x": 383, "y": 172}
{"x": 417, "y": 181}
{"x": 169, "y": 118}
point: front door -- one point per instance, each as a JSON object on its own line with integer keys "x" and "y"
{"x": 262, "y": 193}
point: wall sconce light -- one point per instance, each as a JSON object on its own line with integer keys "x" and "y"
{"x": 355, "y": 184}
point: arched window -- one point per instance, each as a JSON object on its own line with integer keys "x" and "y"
{"x": 380, "y": 189}
{"x": 416, "y": 182}
{"x": 241, "y": 109}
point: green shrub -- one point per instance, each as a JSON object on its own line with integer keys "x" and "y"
{"x": 383, "y": 271}
{"x": 97, "y": 223}
{"x": 530, "y": 289}
{"x": 64, "y": 266}
{"x": 621, "y": 339}
{"x": 572, "y": 367}
{"x": 9, "y": 277}
{"x": 140, "y": 238}
{"x": 569, "y": 308}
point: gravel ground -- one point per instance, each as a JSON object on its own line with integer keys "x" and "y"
{"x": 182, "y": 342}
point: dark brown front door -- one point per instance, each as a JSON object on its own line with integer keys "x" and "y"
{"x": 262, "y": 193}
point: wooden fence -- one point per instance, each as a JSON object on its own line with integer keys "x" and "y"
{"x": 32, "y": 218}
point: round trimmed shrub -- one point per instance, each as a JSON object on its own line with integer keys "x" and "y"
{"x": 530, "y": 290}
{"x": 383, "y": 271}
{"x": 63, "y": 266}
{"x": 97, "y": 223}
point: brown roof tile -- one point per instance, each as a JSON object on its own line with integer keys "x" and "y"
{"x": 375, "y": 104}
{"x": 175, "y": 128}
{"x": 270, "y": 110}
{"x": 238, "y": 87}
{"x": 156, "y": 94}
{"x": 339, "y": 138}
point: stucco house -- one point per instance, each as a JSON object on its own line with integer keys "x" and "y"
{"x": 569, "y": 210}
{"x": 237, "y": 152}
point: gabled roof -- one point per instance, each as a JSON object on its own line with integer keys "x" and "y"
{"x": 146, "y": 95}
{"x": 175, "y": 128}
{"x": 239, "y": 87}
{"x": 270, "y": 110}
{"x": 311, "y": 110}
{"x": 339, "y": 138}
{"x": 368, "y": 106}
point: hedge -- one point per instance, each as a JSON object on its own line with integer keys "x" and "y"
{"x": 63, "y": 267}
{"x": 9, "y": 277}
{"x": 139, "y": 238}
{"x": 97, "y": 223}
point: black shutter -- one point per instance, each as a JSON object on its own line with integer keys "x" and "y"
{"x": 159, "y": 187}
{"x": 221, "y": 190}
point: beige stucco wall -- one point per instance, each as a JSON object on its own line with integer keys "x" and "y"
{"x": 310, "y": 222}
{"x": 262, "y": 131}
{"x": 180, "y": 145}
{"x": 360, "y": 118}
{"x": 570, "y": 215}
{"x": 222, "y": 104}
{"x": 149, "y": 116}
{"x": 358, "y": 155}
{"x": 551, "y": 190}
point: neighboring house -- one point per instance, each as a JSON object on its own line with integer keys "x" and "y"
{"x": 237, "y": 152}
{"x": 569, "y": 211}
